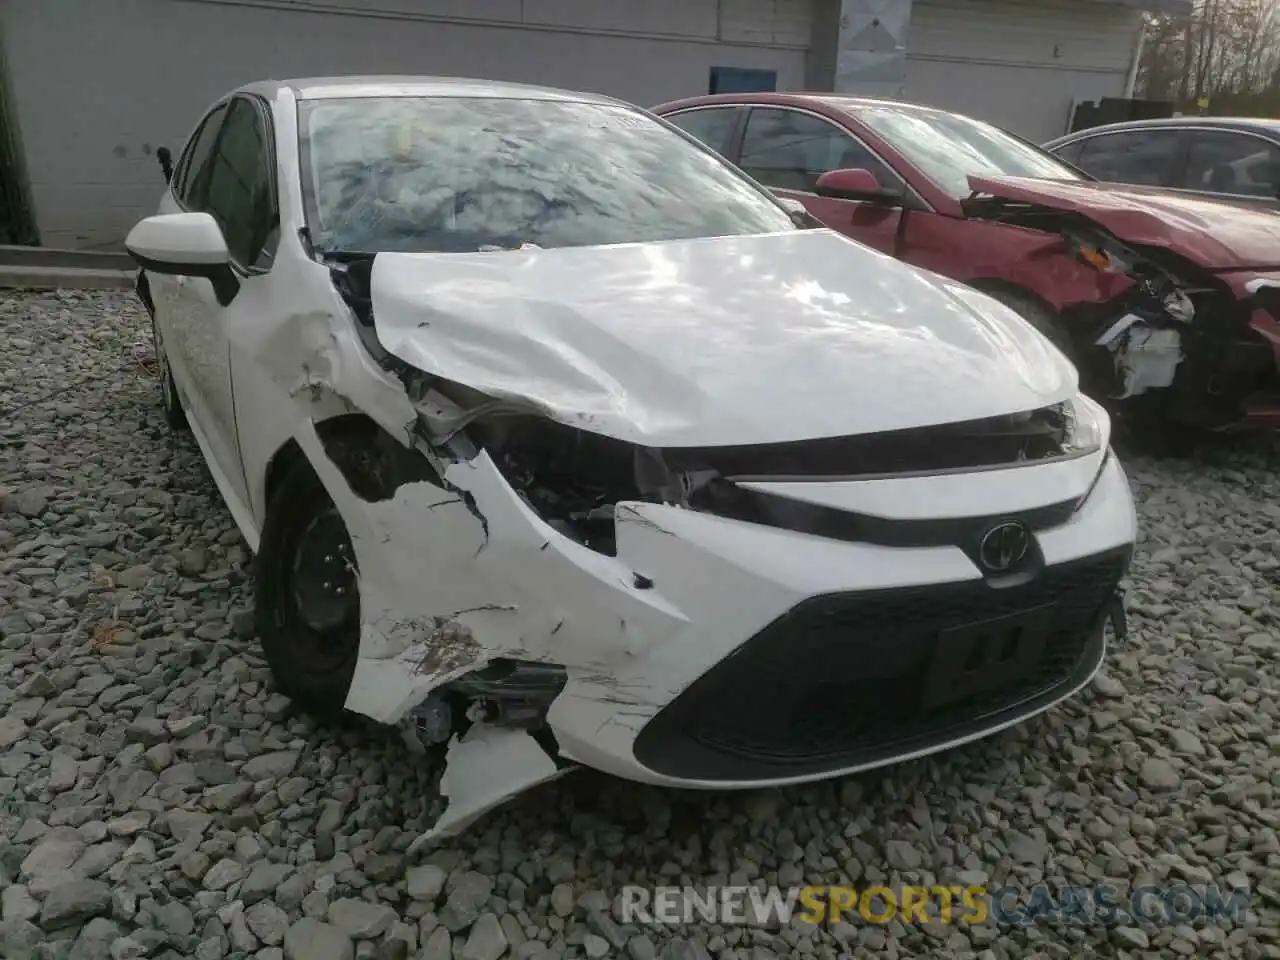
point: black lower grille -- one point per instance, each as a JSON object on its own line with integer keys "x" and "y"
{"x": 846, "y": 679}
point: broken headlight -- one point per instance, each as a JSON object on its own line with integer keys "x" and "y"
{"x": 1087, "y": 428}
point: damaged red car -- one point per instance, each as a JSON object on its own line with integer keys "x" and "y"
{"x": 1167, "y": 302}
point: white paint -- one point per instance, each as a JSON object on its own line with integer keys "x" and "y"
{"x": 726, "y": 340}
{"x": 484, "y": 770}
{"x": 984, "y": 493}
{"x": 190, "y": 239}
{"x": 673, "y": 339}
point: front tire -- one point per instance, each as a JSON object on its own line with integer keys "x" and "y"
{"x": 170, "y": 403}
{"x": 307, "y": 594}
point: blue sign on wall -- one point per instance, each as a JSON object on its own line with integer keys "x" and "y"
{"x": 738, "y": 80}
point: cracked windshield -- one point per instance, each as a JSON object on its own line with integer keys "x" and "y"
{"x": 466, "y": 174}
{"x": 950, "y": 149}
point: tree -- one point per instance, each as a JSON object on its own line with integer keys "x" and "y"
{"x": 1227, "y": 51}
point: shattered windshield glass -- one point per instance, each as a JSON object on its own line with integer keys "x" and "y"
{"x": 949, "y": 148}
{"x": 454, "y": 174}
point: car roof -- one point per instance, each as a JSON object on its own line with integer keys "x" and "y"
{"x": 800, "y": 98}
{"x": 1255, "y": 124}
{"x": 333, "y": 88}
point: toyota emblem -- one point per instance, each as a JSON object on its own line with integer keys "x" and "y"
{"x": 1004, "y": 546}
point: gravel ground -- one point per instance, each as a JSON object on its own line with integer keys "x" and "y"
{"x": 157, "y": 798}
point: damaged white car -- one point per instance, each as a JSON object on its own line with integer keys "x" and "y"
{"x": 559, "y": 441}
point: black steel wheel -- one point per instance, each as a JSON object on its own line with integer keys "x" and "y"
{"x": 308, "y": 600}
{"x": 174, "y": 415}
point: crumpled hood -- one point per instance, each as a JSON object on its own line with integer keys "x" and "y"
{"x": 732, "y": 340}
{"x": 1211, "y": 233}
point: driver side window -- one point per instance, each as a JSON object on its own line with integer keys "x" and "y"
{"x": 789, "y": 150}
{"x": 239, "y": 189}
{"x": 194, "y": 159}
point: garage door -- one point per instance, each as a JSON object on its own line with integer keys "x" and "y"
{"x": 1021, "y": 64}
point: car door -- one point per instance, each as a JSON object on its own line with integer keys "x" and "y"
{"x": 239, "y": 192}
{"x": 788, "y": 149}
{"x": 1147, "y": 157}
{"x": 1237, "y": 166}
{"x": 173, "y": 320}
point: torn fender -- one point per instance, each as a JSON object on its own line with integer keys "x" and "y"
{"x": 453, "y": 576}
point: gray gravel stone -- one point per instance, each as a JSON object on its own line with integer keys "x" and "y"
{"x": 17, "y": 903}
{"x": 310, "y": 939}
{"x": 223, "y": 874}
{"x": 73, "y": 901}
{"x": 425, "y": 882}
{"x": 267, "y": 922}
{"x": 270, "y": 766}
{"x": 1159, "y": 774}
{"x": 52, "y": 855}
{"x": 486, "y": 941}
{"x": 361, "y": 920}
{"x": 263, "y": 880}
{"x": 439, "y": 946}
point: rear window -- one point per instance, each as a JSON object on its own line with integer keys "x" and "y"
{"x": 440, "y": 174}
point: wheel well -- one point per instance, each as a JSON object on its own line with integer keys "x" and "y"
{"x": 373, "y": 462}
{"x": 349, "y": 430}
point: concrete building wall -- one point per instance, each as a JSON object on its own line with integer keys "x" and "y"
{"x": 1021, "y": 64}
{"x": 97, "y": 85}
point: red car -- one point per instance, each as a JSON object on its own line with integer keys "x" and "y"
{"x": 1153, "y": 294}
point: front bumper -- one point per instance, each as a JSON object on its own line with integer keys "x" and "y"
{"x": 854, "y": 680}
{"x": 805, "y": 658}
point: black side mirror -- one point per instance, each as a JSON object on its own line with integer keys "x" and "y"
{"x": 165, "y": 156}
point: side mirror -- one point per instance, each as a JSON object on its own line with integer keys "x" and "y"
{"x": 854, "y": 183}
{"x": 800, "y": 214}
{"x": 185, "y": 245}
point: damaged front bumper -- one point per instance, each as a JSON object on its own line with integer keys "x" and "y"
{"x": 711, "y": 652}
{"x": 1209, "y": 338}
{"x": 1204, "y": 342}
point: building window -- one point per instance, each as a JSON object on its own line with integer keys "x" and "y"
{"x": 737, "y": 80}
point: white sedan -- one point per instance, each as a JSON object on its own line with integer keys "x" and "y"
{"x": 560, "y": 441}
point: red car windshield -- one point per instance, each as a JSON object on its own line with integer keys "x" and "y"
{"x": 948, "y": 148}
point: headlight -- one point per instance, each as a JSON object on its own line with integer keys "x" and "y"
{"x": 1088, "y": 427}
{"x": 1088, "y": 431}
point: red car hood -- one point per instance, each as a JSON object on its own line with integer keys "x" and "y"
{"x": 1213, "y": 235}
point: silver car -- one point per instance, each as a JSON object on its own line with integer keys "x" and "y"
{"x": 1228, "y": 158}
